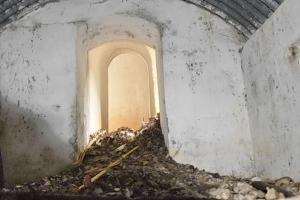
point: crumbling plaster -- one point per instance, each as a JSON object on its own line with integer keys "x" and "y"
{"x": 206, "y": 117}
{"x": 272, "y": 79}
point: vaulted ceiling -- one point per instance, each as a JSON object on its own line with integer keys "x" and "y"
{"x": 246, "y": 15}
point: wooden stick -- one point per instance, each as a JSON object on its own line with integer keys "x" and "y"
{"x": 111, "y": 165}
{"x": 93, "y": 170}
{"x": 82, "y": 154}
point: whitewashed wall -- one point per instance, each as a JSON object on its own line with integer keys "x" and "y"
{"x": 272, "y": 78}
{"x": 207, "y": 120}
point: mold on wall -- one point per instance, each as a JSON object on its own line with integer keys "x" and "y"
{"x": 272, "y": 79}
{"x": 206, "y": 117}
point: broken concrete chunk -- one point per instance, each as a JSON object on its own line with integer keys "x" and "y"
{"x": 272, "y": 194}
{"x": 242, "y": 188}
{"x": 254, "y": 179}
{"x": 284, "y": 181}
{"x": 220, "y": 193}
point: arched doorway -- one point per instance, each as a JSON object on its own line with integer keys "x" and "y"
{"x": 128, "y": 91}
{"x": 122, "y": 85}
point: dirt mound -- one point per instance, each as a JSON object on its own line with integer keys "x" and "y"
{"x": 129, "y": 163}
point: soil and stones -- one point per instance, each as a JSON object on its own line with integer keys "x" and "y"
{"x": 150, "y": 172}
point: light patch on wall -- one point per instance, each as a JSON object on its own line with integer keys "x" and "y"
{"x": 123, "y": 88}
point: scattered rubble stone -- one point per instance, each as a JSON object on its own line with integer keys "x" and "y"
{"x": 149, "y": 171}
{"x": 220, "y": 193}
{"x": 273, "y": 194}
{"x": 284, "y": 181}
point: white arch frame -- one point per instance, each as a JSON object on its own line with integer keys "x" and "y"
{"x": 114, "y": 28}
{"x": 98, "y": 74}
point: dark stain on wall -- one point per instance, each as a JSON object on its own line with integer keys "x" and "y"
{"x": 196, "y": 70}
{"x": 144, "y": 14}
{"x": 25, "y": 147}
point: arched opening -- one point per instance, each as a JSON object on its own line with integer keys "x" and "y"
{"x": 128, "y": 91}
{"x": 122, "y": 85}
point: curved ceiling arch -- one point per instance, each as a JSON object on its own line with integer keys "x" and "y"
{"x": 245, "y": 15}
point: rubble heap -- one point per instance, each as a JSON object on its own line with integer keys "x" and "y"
{"x": 131, "y": 164}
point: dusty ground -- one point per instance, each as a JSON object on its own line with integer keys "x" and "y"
{"x": 150, "y": 172}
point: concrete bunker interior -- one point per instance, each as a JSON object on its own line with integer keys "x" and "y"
{"x": 224, "y": 76}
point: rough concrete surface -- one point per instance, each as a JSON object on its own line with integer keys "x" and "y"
{"x": 205, "y": 109}
{"x": 272, "y": 78}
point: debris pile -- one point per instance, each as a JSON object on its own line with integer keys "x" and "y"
{"x": 136, "y": 164}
